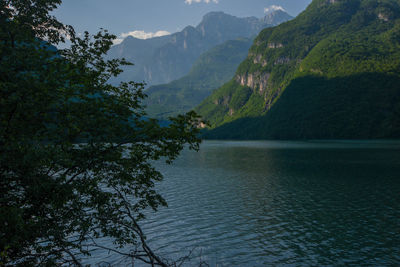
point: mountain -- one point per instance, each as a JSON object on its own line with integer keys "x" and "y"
{"x": 331, "y": 73}
{"x": 139, "y": 52}
{"x": 276, "y": 17}
{"x": 211, "y": 70}
{"x": 164, "y": 59}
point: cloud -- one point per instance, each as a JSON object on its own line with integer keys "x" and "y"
{"x": 140, "y": 35}
{"x": 117, "y": 41}
{"x": 144, "y": 35}
{"x": 273, "y": 8}
{"x": 189, "y": 2}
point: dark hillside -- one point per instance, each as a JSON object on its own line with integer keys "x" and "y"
{"x": 332, "y": 72}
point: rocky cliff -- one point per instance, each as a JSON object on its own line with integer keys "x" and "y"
{"x": 328, "y": 54}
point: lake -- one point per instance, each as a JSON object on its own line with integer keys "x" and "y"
{"x": 263, "y": 203}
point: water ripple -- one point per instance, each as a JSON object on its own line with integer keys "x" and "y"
{"x": 282, "y": 203}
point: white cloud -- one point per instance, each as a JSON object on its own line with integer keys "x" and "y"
{"x": 140, "y": 35}
{"x": 144, "y": 35}
{"x": 273, "y": 8}
{"x": 189, "y": 2}
{"x": 117, "y": 41}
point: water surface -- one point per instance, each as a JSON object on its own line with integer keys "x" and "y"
{"x": 281, "y": 203}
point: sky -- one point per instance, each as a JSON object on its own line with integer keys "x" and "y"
{"x": 149, "y": 18}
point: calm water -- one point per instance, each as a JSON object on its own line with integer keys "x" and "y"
{"x": 281, "y": 203}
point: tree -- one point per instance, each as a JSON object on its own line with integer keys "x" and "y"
{"x": 76, "y": 152}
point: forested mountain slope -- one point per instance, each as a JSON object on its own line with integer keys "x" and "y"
{"x": 332, "y": 72}
{"x": 211, "y": 70}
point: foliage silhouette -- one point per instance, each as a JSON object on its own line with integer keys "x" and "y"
{"x": 76, "y": 153}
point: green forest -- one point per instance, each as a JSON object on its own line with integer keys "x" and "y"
{"x": 332, "y": 72}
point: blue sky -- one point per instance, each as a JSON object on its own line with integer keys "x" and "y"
{"x": 146, "y": 18}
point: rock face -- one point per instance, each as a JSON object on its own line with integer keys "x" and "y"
{"x": 384, "y": 17}
{"x": 258, "y": 59}
{"x": 275, "y": 45}
{"x": 163, "y": 59}
{"x": 256, "y": 81}
{"x": 325, "y": 74}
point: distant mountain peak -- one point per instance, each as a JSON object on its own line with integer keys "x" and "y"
{"x": 215, "y": 14}
{"x": 276, "y": 17}
{"x": 163, "y": 59}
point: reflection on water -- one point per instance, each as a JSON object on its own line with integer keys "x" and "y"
{"x": 300, "y": 203}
